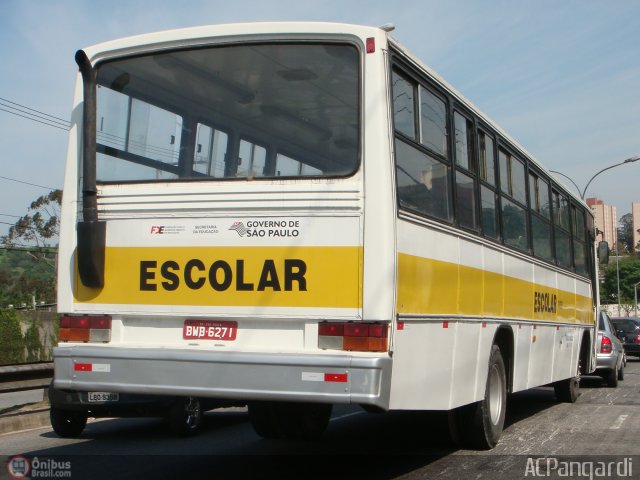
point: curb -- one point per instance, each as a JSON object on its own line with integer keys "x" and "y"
{"x": 24, "y": 420}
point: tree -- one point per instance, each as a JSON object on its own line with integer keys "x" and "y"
{"x": 37, "y": 232}
{"x": 625, "y": 233}
{"x": 629, "y": 272}
{"x": 27, "y": 261}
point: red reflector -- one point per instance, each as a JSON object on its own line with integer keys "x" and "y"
{"x": 330, "y": 329}
{"x": 336, "y": 377}
{"x": 102, "y": 322}
{"x": 356, "y": 330}
{"x": 82, "y": 367}
{"x": 445, "y": 324}
{"x": 400, "y": 325}
{"x": 378, "y": 330}
{"x": 371, "y": 45}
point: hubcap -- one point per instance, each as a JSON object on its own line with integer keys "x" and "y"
{"x": 495, "y": 394}
{"x": 192, "y": 410}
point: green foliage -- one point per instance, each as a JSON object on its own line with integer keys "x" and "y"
{"x": 22, "y": 277}
{"x": 625, "y": 234}
{"x": 628, "y": 269}
{"x": 11, "y": 340}
{"x": 34, "y": 348}
{"x": 37, "y": 232}
{"x": 36, "y": 344}
{"x": 27, "y": 261}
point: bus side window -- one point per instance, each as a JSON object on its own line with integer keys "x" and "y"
{"x": 210, "y": 151}
{"x": 514, "y": 213}
{"x": 488, "y": 195}
{"x": 423, "y": 182}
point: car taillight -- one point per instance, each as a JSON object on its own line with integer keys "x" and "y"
{"x": 353, "y": 336}
{"x": 605, "y": 345}
{"x": 85, "y": 328}
{"x": 636, "y": 339}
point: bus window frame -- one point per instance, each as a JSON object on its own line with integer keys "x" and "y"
{"x": 234, "y": 135}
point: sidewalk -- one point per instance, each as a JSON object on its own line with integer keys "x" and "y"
{"x": 33, "y": 415}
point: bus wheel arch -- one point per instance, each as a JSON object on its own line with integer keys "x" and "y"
{"x": 480, "y": 424}
{"x": 568, "y": 390}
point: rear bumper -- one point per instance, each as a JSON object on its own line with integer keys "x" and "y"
{"x": 632, "y": 348}
{"x": 606, "y": 362}
{"x": 228, "y": 375}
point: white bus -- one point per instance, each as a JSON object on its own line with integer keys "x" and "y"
{"x": 296, "y": 215}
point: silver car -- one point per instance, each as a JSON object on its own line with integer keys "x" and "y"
{"x": 611, "y": 357}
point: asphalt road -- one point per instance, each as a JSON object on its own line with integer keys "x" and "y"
{"x": 599, "y": 434}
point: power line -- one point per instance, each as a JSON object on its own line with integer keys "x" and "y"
{"x": 40, "y": 117}
{"x": 34, "y": 120}
{"x": 27, "y": 183}
{"x": 9, "y": 215}
{"x": 62, "y": 120}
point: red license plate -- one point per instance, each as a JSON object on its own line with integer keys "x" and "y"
{"x": 209, "y": 330}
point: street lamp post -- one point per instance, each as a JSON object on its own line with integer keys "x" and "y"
{"x": 635, "y": 298}
{"x": 584, "y": 192}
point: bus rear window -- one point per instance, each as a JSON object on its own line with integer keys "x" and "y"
{"x": 244, "y": 111}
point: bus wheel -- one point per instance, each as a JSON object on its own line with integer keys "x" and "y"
{"x": 263, "y": 419}
{"x": 67, "y": 424}
{"x": 296, "y": 421}
{"x": 480, "y": 424}
{"x": 185, "y": 416}
{"x": 568, "y": 390}
{"x": 305, "y": 421}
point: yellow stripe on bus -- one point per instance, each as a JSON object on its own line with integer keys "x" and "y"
{"x": 427, "y": 286}
{"x": 329, "y": 277}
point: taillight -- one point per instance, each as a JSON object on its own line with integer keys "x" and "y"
{"x": 353, "y": 336}
{"x": 636, "y": 339}
{"x": 605, "y": 345}
{"x": 85, "y": 328}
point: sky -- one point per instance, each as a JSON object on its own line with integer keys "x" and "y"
{"x": 561, "y": 77}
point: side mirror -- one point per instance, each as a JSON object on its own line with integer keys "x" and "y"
{"x": 603, "y": 252}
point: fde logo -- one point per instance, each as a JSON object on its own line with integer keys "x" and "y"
{"x": 157, "y": 230}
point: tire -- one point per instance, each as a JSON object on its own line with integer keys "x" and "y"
{"x": 67, "y": 424}
{"x": 185, "y": 417}
{"x": 480, "y": 424}
{"x": 568, "y": 390}
{"x": 262, "y": 417}
{"x": 621, "y": 373}
{"x": 612, "y": 378}
{"x": 294, "y": 421}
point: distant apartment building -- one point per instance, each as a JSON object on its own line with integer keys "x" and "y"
{"x": 606, "y": 220}
{"x": 635, "y": 215}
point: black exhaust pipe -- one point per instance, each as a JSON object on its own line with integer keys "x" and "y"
{"x": 91, "y": 233}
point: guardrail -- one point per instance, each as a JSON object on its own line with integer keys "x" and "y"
{"x": 30, "y": 376}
